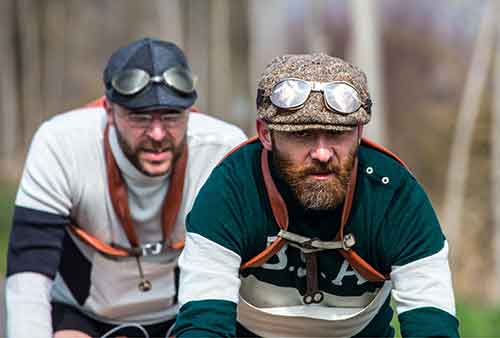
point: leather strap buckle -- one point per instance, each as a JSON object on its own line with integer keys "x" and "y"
{"x": 307, "y": 245}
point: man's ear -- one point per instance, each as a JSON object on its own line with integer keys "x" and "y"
{"x": 108, "y": 106}
{"x": 264, "y": 134}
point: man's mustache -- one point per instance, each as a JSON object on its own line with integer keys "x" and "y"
{"x": 165, "y": 146}
{"x": 320, "y": 169}
{"x": 156, "y": 149}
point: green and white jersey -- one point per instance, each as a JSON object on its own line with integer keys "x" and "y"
{"x": 396, "y": 231}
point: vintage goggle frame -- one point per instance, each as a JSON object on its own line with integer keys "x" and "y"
{"x": 339, "y": 96}
{"x": 134, "y": 80}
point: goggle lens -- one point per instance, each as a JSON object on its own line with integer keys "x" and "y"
{"x": 130, "y": 81}
{"x": 293, "y": 93}
{"x": 290, "y": 94}
{"x": 179, "y": 79}
{"x": 342, "y": 97}
{"x": 133, "y": 81}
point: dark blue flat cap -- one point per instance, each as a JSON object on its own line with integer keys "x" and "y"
{"x": 154, "y": 56}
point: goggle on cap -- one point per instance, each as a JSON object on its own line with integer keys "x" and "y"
{"x": 314, "y": 114}
{"x": 154, "y": 57}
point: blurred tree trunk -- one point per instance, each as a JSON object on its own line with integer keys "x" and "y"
{"x": 316, "y": 38}
{"x": 9, "y": 95}
{"x": 170, "y": 18}
{"x": 366, "y": 53}
{"x": 54, "y": 56}
{"x": 197, "y": 47}
{"x": 30, "y": 75}
{"x": 243, "y": 107}
{"x": 219, "y": 90}
{"x": 469, "y": 110}
{"x": 495, "y": 161}
{"x": 267, "y": 38}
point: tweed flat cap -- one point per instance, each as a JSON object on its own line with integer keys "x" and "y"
{"x": 314, "y": 114}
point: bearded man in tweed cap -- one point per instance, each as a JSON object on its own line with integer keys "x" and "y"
{"x": 308, "y": 228}
{"x": 320, "y": 184}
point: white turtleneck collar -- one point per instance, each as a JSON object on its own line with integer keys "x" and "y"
{"x": 145, "y": 194}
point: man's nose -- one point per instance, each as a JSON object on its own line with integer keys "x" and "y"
{"x": 322, "y": 150}
{"x": 157, "y": 130}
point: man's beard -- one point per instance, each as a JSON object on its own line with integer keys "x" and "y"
{"x": 311, "y": 193}
{"x": 133, "y": 154}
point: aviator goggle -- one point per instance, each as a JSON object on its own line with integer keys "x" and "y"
{"x": 339, "y": 96}
{"x": 132, "y": 81}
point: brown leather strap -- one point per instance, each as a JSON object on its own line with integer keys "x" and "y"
{"x": 119, "y": 199}
{"x": 358, "y": 263}
{"x": 119, "y": 195}
{"x": 383, "y": 150}
{"x": 278, "y": 205}
{"x": 99, "y": 102}
{"x": 280, "y": 213}
{"x": 363, "y": 267}
{"x": 173, "y": 198}
{"x": 264, "y": 256}
{"x": 97, "y": 244}
{"x": 250, "y": 140}
{"x": 346, "y": 210}
{"x": 312, "y": 275}
{"x": 118, "y": 192}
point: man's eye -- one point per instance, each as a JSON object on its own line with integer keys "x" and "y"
{"x": 301, "y": 133}
{"x": 139, "y": 118}
{"x": 169, "y": 118}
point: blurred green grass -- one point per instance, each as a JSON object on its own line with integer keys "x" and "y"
{"x": 475, "y": 320}
{"x": 7, "y": 196}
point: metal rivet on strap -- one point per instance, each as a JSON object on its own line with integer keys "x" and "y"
{"x": 348, "y": 242}
{"x": 385, "y": 179}
{"x": 369, "y": 170}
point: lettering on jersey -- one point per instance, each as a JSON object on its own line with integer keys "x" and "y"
{"x": 344, "y": 271}
{"x": 302, "y": 271}
{"x": 282, "y": 258}
{"x": 282, "y": 263}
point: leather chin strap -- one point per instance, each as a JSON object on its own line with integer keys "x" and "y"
{"x": 119, "y": 199}
{"x": 280, "y": 213}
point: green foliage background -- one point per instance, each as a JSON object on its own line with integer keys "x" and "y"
{"x": 7, "y": 196}
{"x": 476, "y": 320}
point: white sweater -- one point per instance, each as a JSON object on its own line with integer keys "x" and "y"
{"x": 65, "y": 178}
